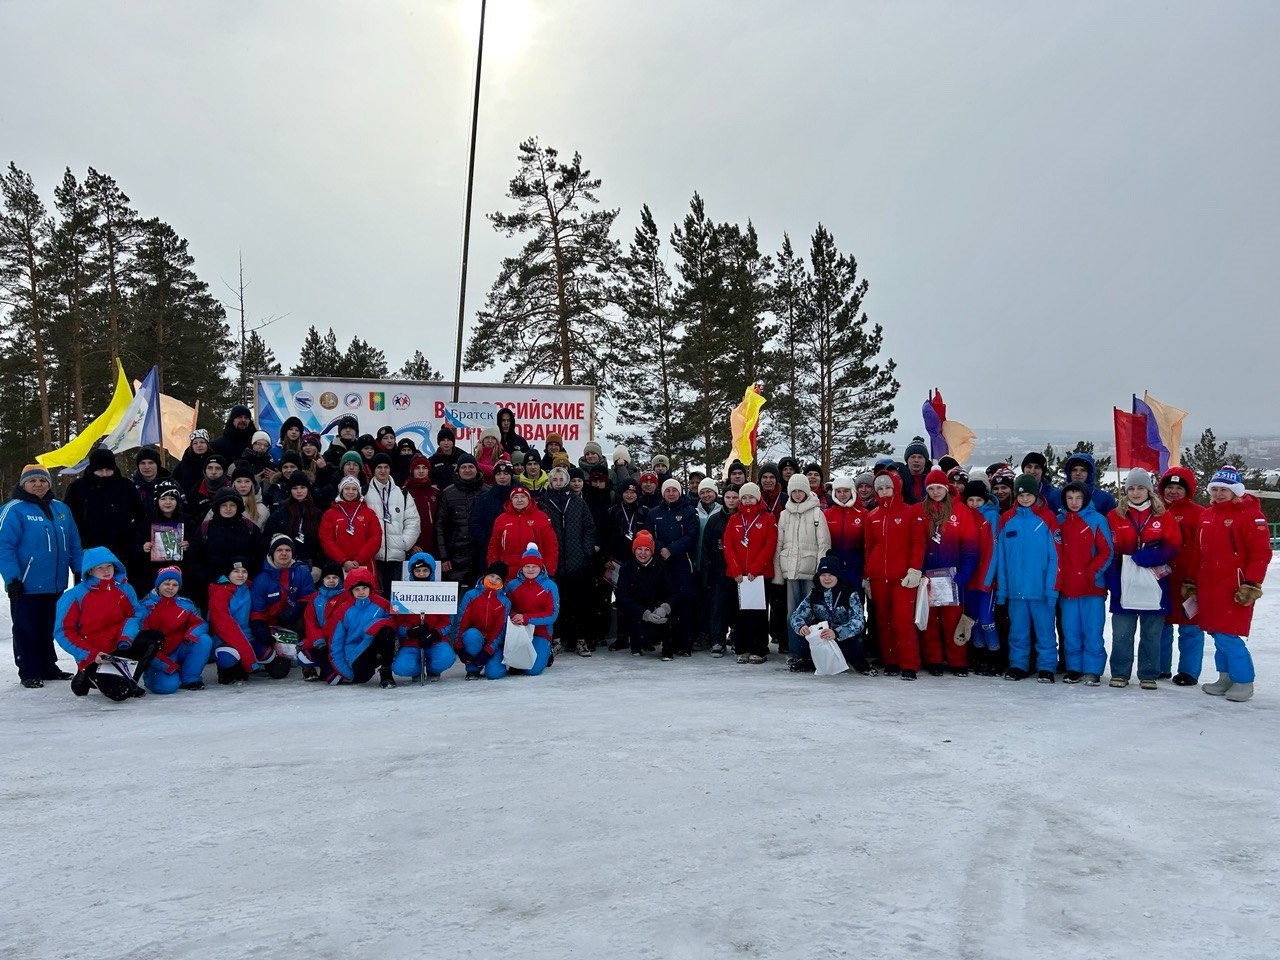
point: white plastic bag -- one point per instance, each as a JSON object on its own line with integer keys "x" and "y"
{"x": 517, "y": 648}
{"x": 1139, "y": 588}
{"x": 922, "y": 606}
{"x": 827, "y": 658}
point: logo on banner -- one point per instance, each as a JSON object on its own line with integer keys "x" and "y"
{"x": 377, "y": 400}
{"x": 352, "y": 400}
{"x": 303, "y": 400}
{"x": 401, "y": 401}
{"x": 328, "y": 399}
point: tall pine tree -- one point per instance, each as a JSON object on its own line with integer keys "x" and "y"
{"x": 117, "y": 228}
{"x": 319, "y": 357}
{"x": 792, "y": 306}
{"x": 418, "y": 367}
{"x": 362, "y": 361}
{"x": 547, "y": 312}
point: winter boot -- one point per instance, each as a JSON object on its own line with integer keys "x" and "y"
{"x": 32, "y": 683}
{"x": 1119, "y": 681}
{"x": 756, "y": 659}
{"x": 1184, "y": 680}
{"x": 1165, "y": 676}
{"x": 474, "y": 675}
{"x": 582, "y": 649}
{"x": 1219, "y": 687}
{"x": 864, "y": 667}
{"x": 1015, "y": 673}
{"x": 80, "y": 685}
{"x": 891, "y": 670}
{"x": 192, "y": 685}
{"x": 717, "y": 649}
{"x": 908, "y": 674}
{"x": 935, "y": 669}
{"x": 310, "y": 673}
{"x": 1147, "y": 684}
{"x": 1073, "y": 676}
{"x": 1240, "y": 692}
{"x": 1092, "y": 680}
{"x": 1045, "y": 676}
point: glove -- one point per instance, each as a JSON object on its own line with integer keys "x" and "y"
{"x": 1188, "y": 589}
{"x": 15, "y": 588}
{"x": 912, "y": 579}
{"x": 963, "y": 631}
{"x": 663, "y": 610}
{"x": 1247, "y": 593}
{"x": 654, "y": 616}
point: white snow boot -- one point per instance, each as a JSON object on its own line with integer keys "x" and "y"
{"x": 1240, "y": 692}
{"x": 1219, "y": 687}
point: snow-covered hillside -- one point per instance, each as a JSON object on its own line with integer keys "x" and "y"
{"x": 616, "y": 809}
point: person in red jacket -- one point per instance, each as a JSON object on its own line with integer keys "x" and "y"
{"x": 1086, "y": 554}
{"x": 426, "y": 497}
{"x": 1234, "y": 551}
{"x": 186, "y": 644}
{"x": 535, "y": 600}
{"x": 750, "y": 541}
{"x": 951, "y": 542}
{"x": 520, "y": 524}
{"x": 1177, "y": 489}
{"x": 350, "y": 532}
{"x": 481, "y": 626}
{"x": 895, "y": 557}
{"x": 979, "y": 595}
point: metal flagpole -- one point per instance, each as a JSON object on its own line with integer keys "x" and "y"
{"x": 466, "y": 228}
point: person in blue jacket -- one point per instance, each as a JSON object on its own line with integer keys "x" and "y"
{"x": 1080, "y": 468}
{"x": 674, "y": 525}
{"x": 279, "y": 594}
{"x": 421, "y": 635}
{"x": 185, "y": 643}
{"x": 1037, "y": 466}
{"x": 364, "y": 638}
{"x": 39, "y": 547}
{"x": 1027, "y": 579}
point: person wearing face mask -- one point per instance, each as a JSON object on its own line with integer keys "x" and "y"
{"x": 39, "y": 547}
{"x": 1142, "y": 532}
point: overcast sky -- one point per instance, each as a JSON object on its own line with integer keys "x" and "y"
{"x": 1056, "y": 204}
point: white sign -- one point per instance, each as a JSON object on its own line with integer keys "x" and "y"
{"x": 418, "y": 410}
{"x": 424, "y": 596}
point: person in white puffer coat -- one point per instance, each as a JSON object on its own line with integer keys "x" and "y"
{"x": 803, "y": 540}
{"x": 401, "y": 524}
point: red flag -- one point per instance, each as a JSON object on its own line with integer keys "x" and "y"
{"x": 1132, "y": 449}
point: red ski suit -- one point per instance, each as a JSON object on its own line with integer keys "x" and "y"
{"x": 1188, "y": 514}
{"x": 1234, "y": 548}
{"x": 895, "y": 544}
{"x": 514, "y": 530}
{"x": 350, "y": 531}
{"x": 759, "y": 529}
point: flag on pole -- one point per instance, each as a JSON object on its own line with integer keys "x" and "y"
{"x": 1132, "y": 448}
{"x": 140, "y": 425}
{"x": 78, "y": 449}
{"x": 744, "y": 423}
{"x": 1168, "y": 421}
{"x": 946, "y": 436}
{"x": 177, "y": 420}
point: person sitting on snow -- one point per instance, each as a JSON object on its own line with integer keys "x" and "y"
{"x": 313, "y": 655}
{"x": 481, "y": 624}
{"x": 535, "y": 600}
{"x": 186, "y": 643}
{"x": 422, "y": 634}
{"x": 363, "y": 641}
{"x": 230, "y": 603}
{"x": 99, "y": 622}
{"x": 280, "y": 593}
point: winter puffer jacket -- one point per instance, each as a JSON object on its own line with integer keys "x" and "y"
{"x": 106, "y": 509}
{"x": 178, "y": 621}
{"x": 350, "y": 532}
{"x": 848, "y": 525}
{"x": 803, "y": 539}
{"x": 1086, "y": 552}
{"x": 1027, "y": 559}
{"x": 1188, "y": 513}
{"x": 229, "y": 608}
{"x": 400, "y": 524}
{"x": 280, "y": 593}
{"x": 642, "y": 587}
{"x": 359, "y": 624}
{"x": 895, "y": 536}
{"x": 97, "y": 616}
{"x": 1102, "y": 501}
{"x": 1152, "y": 538}
{"x": 486, "y": 611}
{"x": 575, "y": 532}
{"x": 954, "y": 545}
{"x": 841, "y": 608}
{"x": 39, "y": 542}
{"x": 455, "y": 541}
{"x": 625, "y": 521}
{"x": 713, "y": 566}
{"x": 675, "y": 527}
{"x": 1234, "y": 548}
{"x": 515, "y": 530}
{"x": 537, "y": 599}
{"x": 220, "y": 539}
{"x": 757, "y": 555}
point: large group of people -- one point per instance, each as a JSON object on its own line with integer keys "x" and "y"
{"x": 259, "y": 554}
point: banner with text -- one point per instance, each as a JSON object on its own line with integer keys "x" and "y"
{"x": 424, "y": 596}
{"x": 418, "y": 410}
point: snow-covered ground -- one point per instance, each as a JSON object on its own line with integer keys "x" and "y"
{"x": 618, "y": 809}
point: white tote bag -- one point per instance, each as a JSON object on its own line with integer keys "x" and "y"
{"x": 1139, "y": 588}
{"x": 517, "y": 648}
{"x": 922, "y": 606}
{"x": 828, "y": 661}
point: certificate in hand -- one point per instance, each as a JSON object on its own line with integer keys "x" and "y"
{"x": 751, "y": 594}
{"x": 166, "y": 542}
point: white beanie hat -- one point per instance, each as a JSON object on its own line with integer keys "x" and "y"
{"x": 798, "y": 483}
{"x": 708, "y": 484}
{"x": 842, "y": 482}
{"x": 620, "y": 454}
{"x": 673, "y": 484}
{"x": 749, "y": 489}
{"x": 260, "y": 435}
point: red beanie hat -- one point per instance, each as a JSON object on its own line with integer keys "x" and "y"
{"x": 936, "y": 478}
{"x": 643, "y": 539}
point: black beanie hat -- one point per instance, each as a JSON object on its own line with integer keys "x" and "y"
{"x": 147, "y": 453}
{"x": 945, "y": 463}
{"x": 217, "y": 458}
{"x": 772, "y": 468}
{"x": 788, "y": 462}
{"x": 975, "y": 488}
{"x": 1026, "y": 483}
{"x": 577, "y": 473}
{"x": 331, "y": 569}
{"x": 445, "y": 433}
{"x": 348, "y": 422}
{"x": 241, "y": 469}
{"x": 291, "y": 456}
{"x": 299, "y": 479}
{"x": 383, "y": 431}
{"x": 1035, "y": 458}
{"x": 916, "y": 446}
{"x": 365, "y": 440}
{"x": 380, "y": 457}
{"x": 497, "y": 567}
{"x": 828, "y": 564}
{"x": 102, "y": 459}
{"x": 239, "y": 410}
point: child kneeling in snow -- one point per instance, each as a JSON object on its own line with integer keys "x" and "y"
{"x": 421, "y": 634}
{"x": 186, "y": 643}
{"x": 364, "y": 637}
{"x": 318, "y": 619}
{"x": 535, "y": 600}
{"x": 645, "y": 597}
{"x": 229, "y": 609}
{"x": 280, "y": 592}
{"x": 481, "y": 625}
{"x": 834, "y": 600}
{"x": 99, "y": 622}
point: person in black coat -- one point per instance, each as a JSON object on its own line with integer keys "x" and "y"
{"x": 224, "y": 536}
{"x": 237, "y": 434}
{"x": 142, "y": 566}
{"x": 460, "y": 554}
{"x": 444, "y": 462}
{"x": 298, "y": 518}
{"x": 598, "y": 494}
{"x": 148, "y": 471}
{"x": 348, "y": 434}
{"x": 721, "y": 591}
{"x": 402, "y": 460}
{"x": 512, "y": 442}
{"x": 105, "y": 505}
{"x": 576, "y": 535}
{"x": 645, "y": 599}
{"x": 190, "y": 471}
{"x": 488, "y": 506}
{"x": 200, "y": 497}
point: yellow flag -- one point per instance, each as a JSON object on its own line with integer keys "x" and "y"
{"x": 75, "y": 451}
{"x": 743, "y": 422}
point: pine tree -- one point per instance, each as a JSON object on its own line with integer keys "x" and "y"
{"x": 547, "y": 312}
{"x": 650, "y": 397}
{"x": 1052, "y": 460}
{"x": 748, "y": 355}
{"x": 76, "y": 274}
{"x": 259, "y": 359}
{"x": 117, "y": 228}
{"x": 26, "y": 233}
{"x": 362, "y": 362}
{"x": 418, "y": 367}
{"x": 1206, "y": 457}
{"x": 792, "y": 305}
{"x": 319, "y": 356}
{"x": 852, "y": 393}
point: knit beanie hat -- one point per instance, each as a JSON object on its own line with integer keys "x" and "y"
{"x": 348, "y": 422}
{"x": 708, "y": 484}
{"x": 1228, "y": 476}
{"x": 592, "y": 447}
{"x": 798, "y": 483}
{"x": 883, "y": 482}
{"x": 242, "y": 471}
{"x": 34, "y": 471}
{"x": 1035, "y": 458}
{"x": 556, "y": 439}
{"x": 672, "y": 485}
{"x": 291, "y": 456}
{"x": 169, "y": 573}
{"x": 561, "y": 460}
{"x": 280, "y": 540}
{"x": 643, "y": 539}
{"x": 239, "y": 410}
{"x": 788, "y": 462}
{"x": 348, "y": 482}
{"x": 1003, "y": 476}
{"x": 531, "y": 555}
{"x": 518, "y": 490}
{"x": 947, "y": 463}
{"x": 406, "y": 445}
{"x": 310, "y": 438}
{"x": 660, "y": 459}
{"x": 299, "y": 479}
{"x": 936, "y": 478}
{"x": 815, "y": 468}
{"x": 1140, "y": 478}
{"x": 749, "y": 489}
{"x": 491, "y": 433}
{"x": 351, "y": 456}
{"x": 620, "y": 454}
{"x": 828, "y": 564}
{"x": 102, "y": 459}
{"x": 916, "y": 446}
{"x": 261, "y": 435}
{"x": 383, "y": 431}
{"x": 531, "y": 457}
{"x": 866, "y": 477}
{"x": 597, "y": 469}
{"x": 445, "y": 433}
{"x": 464, "y": 459}
{"x": 200, "y": 434}
{"x": 975, "y": 488}
{"x": 844, "y": 482}
{"x": 737, "y": 465}
{"x": 380, "y": 458}
{"x": 649, "y": 476}
{"x": 1026, "y": 483}
{"x": 331, "y": 569}
{"x": 772, "y": 468}
{"x": 147, "y": 453}
{"x": 577, "y": 473}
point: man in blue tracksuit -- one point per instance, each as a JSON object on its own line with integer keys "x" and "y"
{"x": 39, "y": 547}
{"x": 1027, "y": 579}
